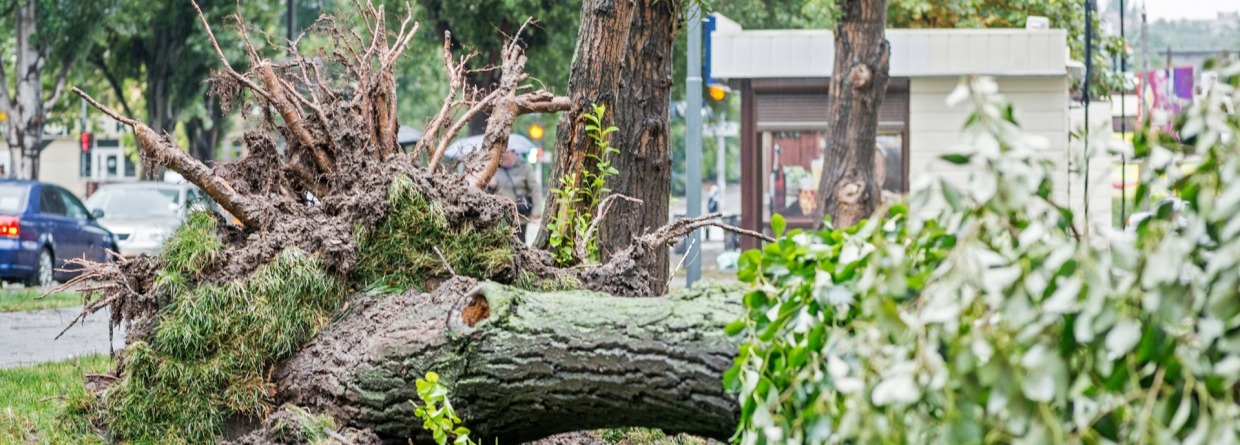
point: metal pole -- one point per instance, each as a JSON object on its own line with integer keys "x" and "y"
{"x": 83, "y": 156}
{"x": 693, "y": 142}
{"x": 721, "y": 177}
{"x": 1123, "y": 122}
{"x": 292, "y": 19}
{"x": 1089, "y": 68}
{"x": 1146, "y": 107}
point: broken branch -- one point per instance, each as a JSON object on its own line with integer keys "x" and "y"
{"x": 162, "y": 150}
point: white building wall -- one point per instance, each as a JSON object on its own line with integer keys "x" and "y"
{"x": 738, "y": 54}
{"x": 1101, "y": 137}
{"x": 1041, "y": 108}
{"x": 60, "y": 164}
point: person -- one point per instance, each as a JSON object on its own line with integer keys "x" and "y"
{"x": 712, "y": 197}
{"x": 517, "y": 181}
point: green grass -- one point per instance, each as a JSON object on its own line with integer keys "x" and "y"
{"x": 400, "y": 253}
{"x": 35, "y": 402}
{"x": 28, "y": 300}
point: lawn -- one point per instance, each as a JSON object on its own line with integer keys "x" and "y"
{"x": 34, "y": 401}
{"x": 28, "y": 300}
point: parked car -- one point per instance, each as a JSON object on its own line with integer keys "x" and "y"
{"x": 42, "y": 226}
{"x": 144, "y": 214}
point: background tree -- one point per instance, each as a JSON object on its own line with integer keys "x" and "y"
{"x": 160, "y": 48}
{"x": 848, "y": 191}
{"x": 49, "y": 38}
{"x": 484, "y": 26}
{"x": 623, "y": 61}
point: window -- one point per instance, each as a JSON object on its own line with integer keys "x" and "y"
{"x": 12, "y": 199}
{"x": 794, "y": 162}
{"x": 74, "y": 208}
{"x": 50, "y": 202}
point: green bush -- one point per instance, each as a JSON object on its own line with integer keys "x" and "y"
{"x": 997, "y": 320}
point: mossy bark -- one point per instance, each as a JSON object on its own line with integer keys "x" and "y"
{"x": 531, "y": 365}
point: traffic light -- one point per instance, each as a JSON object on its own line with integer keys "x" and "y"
{"x": 86, "y": 142}
{"x": 536, "y": 132}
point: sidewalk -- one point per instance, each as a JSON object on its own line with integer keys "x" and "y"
{"x": 26, "y": 338}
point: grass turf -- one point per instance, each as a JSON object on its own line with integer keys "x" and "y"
{"x": 207, "y": 359}
{"x": 28, "y": 300}
{"x": 400, "y": 253}
{"x": 41, "y": 404}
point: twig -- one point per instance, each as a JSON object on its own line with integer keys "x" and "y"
{"x": 603, "y": 208}
{"x": 458, "y": 126}
{"x": 683, "y": 226}
{"x": 105, "y": 109}
{"x": 445, "y": 260}
{"x": 681, "y": 263}
{"x": 224, "y": 60}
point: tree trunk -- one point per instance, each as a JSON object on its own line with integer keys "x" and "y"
{"x": 27, "y": 114}
{"x": 849, "y": 191}
{"x": 160, "y": 115}
{"x": 204, "y": 140}
{"x": 623, "y": 61}
{"x": 522, "y": 366}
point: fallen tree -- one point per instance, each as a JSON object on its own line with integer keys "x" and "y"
{"x": 355, "y": 268}
{"x": 526, "y": 365}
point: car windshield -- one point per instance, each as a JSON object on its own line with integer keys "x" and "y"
{"x": 12, "y": 199}
{"x": 136, "y": 202}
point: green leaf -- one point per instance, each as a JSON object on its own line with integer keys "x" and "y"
{"x": 957, "y": 158}
{"x": 778, "y": 224}
{"x": 735, "y": 328}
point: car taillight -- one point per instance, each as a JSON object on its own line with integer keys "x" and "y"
{"x": 10, "y": 226}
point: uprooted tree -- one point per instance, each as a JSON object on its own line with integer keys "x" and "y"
{"x": 354, "y": 271}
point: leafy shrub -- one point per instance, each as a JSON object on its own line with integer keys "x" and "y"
{"x": 998, "y": 320}
{"x": 437, "y": 414}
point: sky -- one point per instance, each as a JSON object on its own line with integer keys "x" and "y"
{"x": 1181, "y": 9}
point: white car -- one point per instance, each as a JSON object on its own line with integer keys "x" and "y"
{"x": 143, "y": 214}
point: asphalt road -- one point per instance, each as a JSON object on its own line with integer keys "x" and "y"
{"x": 27, "y": 338}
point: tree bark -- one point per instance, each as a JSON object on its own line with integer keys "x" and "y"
{"x": 623, "y": 61}
{"x": 522, "y": 366}
{"x": 849, "y": 191}
{"x": 26, "y": 112}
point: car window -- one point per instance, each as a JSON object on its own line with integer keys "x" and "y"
{"x": 74, "y": 208}
{"x": 134, "y": 202}
{"x": 50, "y": 202}
{"x": 12, "y": 199}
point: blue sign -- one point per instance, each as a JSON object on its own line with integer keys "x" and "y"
{"x": 708, "y": 26}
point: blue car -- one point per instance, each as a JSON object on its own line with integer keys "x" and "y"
{"x": 42, "y": 226}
